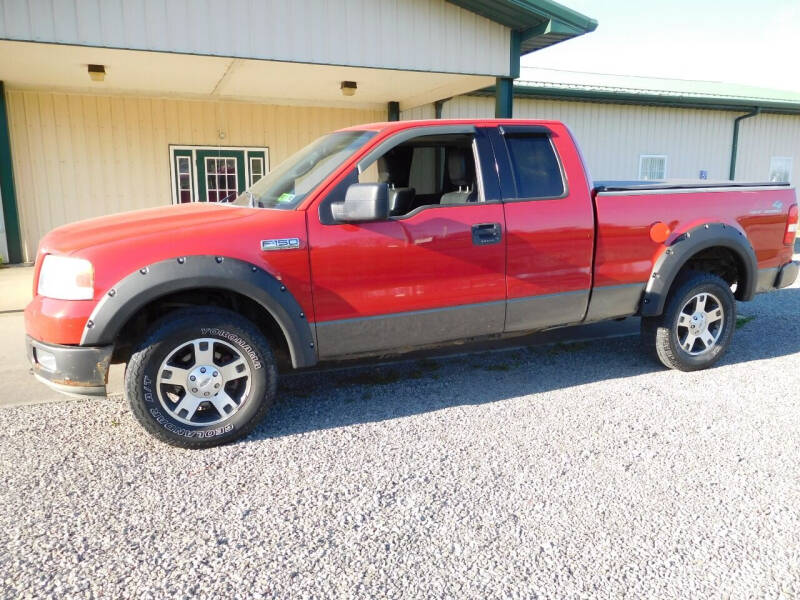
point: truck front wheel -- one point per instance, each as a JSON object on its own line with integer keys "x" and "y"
{"x": 201, "y": 377}
{"x": 696, "y": 326}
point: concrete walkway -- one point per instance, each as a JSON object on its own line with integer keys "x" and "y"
{"x": 16, "y": 288}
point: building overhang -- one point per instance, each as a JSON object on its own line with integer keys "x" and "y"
{"x": 145, "y": 73}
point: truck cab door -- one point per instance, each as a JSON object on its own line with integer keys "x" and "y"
{"x": 432, "y": 272}
{"x": 549, "y": 225}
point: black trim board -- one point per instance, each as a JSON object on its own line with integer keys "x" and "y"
{"x": 547, "y": 310}
{"x": 614, "y": 301}
{"x": 399, "y": 332}
{"x": 142, "y": 287}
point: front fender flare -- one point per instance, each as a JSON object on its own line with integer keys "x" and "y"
{"x": 159, "y": 279}
{"x": 686, "y": 245}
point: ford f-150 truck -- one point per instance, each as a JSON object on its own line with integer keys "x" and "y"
{"x": 383, "y": 238}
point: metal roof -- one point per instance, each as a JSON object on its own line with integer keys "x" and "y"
{"x": 540, "y": 23}
{"x": 620, "y": 89}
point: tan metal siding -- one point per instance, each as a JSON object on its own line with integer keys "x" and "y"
{"x": 613, "y": 136}
{"x": 426, "y": 111}
{"x": 765, "y": 136}
{"x": 428, "y": 35}
{"x": 78, "y": 156}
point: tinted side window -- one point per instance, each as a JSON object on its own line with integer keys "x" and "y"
{"x": 536, "y": 169}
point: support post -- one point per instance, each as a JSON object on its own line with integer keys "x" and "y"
{"x": 504, "y": 86}
{"x": 394, "y": 111}
{"x": 504, "y": 98}
{"x": 735, "y": 144}
{"x": 7, "y": 189}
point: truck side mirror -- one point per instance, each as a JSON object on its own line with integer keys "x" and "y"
{"x": 363, "y": 202}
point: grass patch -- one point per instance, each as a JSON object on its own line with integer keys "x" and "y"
{"x": 742, "y": 320}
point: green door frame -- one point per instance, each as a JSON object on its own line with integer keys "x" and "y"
{"x": 7, "y": 188}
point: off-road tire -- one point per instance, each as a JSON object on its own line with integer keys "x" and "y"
{"x": 660, "y": 335}
{"x": 182, "y": 326}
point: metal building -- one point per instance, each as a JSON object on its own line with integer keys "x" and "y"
{"x": 115, "y": 105}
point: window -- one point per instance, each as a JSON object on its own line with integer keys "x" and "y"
{"x": 256, "y": 168}
{"x": 537, "y": 173}
{"x": 221, "y": 174}
{"x": 652, "y": 167}
{"x": 780, "y": 168}
{"x": 210, "y": 173}
{"x": 429, "y": 170}
{"x": 185, "y": 181}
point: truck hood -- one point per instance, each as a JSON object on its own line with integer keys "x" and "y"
{"x": 95, "y": 232}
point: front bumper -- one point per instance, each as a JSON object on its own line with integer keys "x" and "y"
{"x": 74, "y": 370}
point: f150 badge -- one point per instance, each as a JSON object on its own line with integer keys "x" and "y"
{"x": 281, "y": 244}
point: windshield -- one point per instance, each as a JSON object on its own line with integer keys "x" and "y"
{"x": 291, "y": 181}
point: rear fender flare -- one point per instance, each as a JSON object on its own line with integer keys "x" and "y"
{"x": 136, "y": 290}
{"x": 684, "y": 247}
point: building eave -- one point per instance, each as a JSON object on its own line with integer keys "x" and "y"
{"x": 540, "y": 23}
{"x": 673, "y": 100}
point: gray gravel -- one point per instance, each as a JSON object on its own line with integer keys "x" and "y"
{"x": 562, "y": 471}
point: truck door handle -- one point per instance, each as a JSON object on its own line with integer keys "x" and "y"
{"x": 486, "y": 233}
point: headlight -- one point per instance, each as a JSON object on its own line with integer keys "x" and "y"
{"x": 66, "y": 278}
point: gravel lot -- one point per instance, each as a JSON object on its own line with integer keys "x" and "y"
{"x": 561, "y": 471}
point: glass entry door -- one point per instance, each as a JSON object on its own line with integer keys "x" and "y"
{"x": 204, "y": 174}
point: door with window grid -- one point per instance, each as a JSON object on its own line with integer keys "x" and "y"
{"x": 203, "y": 174}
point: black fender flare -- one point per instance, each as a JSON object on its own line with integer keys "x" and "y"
{"x": 686, "y": 245}
{"x": 136, "y": 290}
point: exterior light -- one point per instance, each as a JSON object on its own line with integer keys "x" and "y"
{"x": 349, "y": 88}
{"x": 97, "y": 72}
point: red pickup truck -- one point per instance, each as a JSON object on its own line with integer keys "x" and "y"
{"x": 384, "y": 238}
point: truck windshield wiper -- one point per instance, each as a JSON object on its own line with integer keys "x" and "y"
{"x": 229, "y": 197}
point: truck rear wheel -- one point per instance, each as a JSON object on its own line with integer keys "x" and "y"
{"x": 696, "y": 326}
{"x": 201, "y": 377}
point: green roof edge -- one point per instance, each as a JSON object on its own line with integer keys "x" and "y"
{"x": 671, "y": 100}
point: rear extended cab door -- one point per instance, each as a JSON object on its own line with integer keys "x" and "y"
{"x": 549, "y": 225}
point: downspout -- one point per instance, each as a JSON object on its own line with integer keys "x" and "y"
{"x": 735, "y": 145}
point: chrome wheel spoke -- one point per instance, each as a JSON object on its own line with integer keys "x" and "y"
{"x": 233, "y": 370}
{"x": 174, "y": 375}
{"x": 701, "y": 303}
{"x": 203, "y": 352}
{"x": 684, "y": 320}
{"x": 688, "y": 343}
{"x": 223, "y": 403}
{"x": 708, "y": 340}
{"x": 714, "y": 315}
{"x": 189, "y": 404}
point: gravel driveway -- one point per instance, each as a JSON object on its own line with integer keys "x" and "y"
{"x": 560, "y": 471}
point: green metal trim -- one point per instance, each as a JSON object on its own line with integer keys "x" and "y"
{"x": 540, "y": 23}
{"x": 735, "y": 143}
{"x": 504, "y": 98}
{"x": 393, "y": 111}
{"x": 7, "y": 187}
{"x": 644, "y": 99}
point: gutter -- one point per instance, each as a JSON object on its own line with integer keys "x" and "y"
{"x": 735, "y": 144}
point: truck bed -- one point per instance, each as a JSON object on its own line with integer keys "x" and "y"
{"x": 677, "y": 184}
